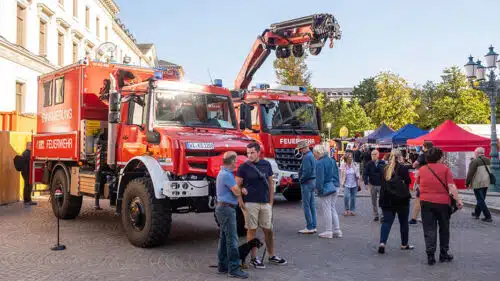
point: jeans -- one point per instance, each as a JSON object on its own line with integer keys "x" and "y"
{"x": 350, "y": 198}
{"x": 329, "y": 213}
{"x": 481, "y": 203}
{"x": 432, "y": 215}
{"x": 389, "y": 216}
{"x": 227, "y": 253}
{"x": 375, "y": 192}
{"x": 309, "y": 205}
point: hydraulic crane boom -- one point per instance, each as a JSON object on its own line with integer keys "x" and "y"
{"x": 288, "y": 37}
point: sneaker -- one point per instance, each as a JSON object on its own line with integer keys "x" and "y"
{"x": 413, "y": 221}
{"x": 381, "y": 248}
{"x": 30, "y": 203}
{"x": 239, "y": 274}
{"x": 307, "y": 231}
{"x": 487, "y": 219}
{"x": 375, "y": 219}
{"x": 326, "y": 234}
{"x": 277, "y": 260}
{"x": 257, "y": 263}
{"x": 222, "y": 271}
{"x": 337, "y": 234}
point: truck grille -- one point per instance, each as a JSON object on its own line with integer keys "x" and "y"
{"x": 286, "y": 160}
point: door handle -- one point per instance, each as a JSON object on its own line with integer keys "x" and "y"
{"x": 125, "y": 137}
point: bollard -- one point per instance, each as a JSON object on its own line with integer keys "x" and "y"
{"x": 58, "y": 247}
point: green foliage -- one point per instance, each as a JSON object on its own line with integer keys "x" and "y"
{"x": 349, "y": 114}
{"x": 395, "y": 105}
{"x": 366, "y": 91}
{"x": 292, "y": 71}
{"x": 452, "y": 99}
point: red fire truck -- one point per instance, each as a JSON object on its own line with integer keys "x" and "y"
{"x": 139, "y": 137}
{"x": 281, "y": 116}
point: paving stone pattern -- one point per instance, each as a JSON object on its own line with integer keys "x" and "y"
{"x": 97, "y": 248}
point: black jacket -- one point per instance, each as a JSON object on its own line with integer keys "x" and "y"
{"x": 26, "y": 168}
{"x": 374, "y": 172}
{"x": 387, "y": 199}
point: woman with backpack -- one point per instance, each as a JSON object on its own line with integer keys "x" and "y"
{"x": 395, "y": 199}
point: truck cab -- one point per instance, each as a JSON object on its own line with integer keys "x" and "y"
{"x": 279, "y": 117}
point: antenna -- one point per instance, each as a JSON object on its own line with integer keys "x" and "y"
{"x": 210, "y": 76}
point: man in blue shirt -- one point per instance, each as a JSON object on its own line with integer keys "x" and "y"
{"x": 256, "y": 175}
{"x": 228, "y": 198}
{"x": 307, "y": 179}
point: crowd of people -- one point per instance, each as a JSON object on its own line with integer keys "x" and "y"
{"x": 388, "y": 181}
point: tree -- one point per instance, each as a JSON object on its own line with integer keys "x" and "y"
{"x": 453, "y": 99}
{"x": 292, "y": 71}
{"x": 395, "y": 105}
{"x": 352, "y": 116}
{"x": 366, "y": 91}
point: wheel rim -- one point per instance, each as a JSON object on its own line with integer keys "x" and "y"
{"x": 137, "y": 215}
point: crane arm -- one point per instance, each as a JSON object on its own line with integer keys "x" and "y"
{"x": 288, "y": 37}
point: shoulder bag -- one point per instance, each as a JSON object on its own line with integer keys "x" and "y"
{"x": 453, "y": 205}
{"x": 261, "y": 175}
{"x": 492, "y": 177}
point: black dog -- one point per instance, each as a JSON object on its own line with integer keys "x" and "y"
{"x": 245, "y": 249}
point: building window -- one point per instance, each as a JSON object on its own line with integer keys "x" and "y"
{"x": 19, "y": 97}
{"x": 97, "y": 20}
{"x": 60, "y": 49}
{"x": 87, "y": 17}
{"x": 43, "y": 38}
{"x": 75, "y": 8}
{"x": 21, "y": 26}
{"x": 59, "y": 90}
{"x": 106, "y": 33}
{"x": 75, "y": 51}
{"x": 47, "y": 90}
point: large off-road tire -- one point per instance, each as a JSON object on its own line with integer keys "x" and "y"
{"x": 240, "y": 222}
{"x": 67, "y": 207}
{"x": 292, "y": 195}
{"x": 145, "y": 219}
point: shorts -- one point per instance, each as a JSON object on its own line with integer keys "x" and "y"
{"x": 258, "y": 215}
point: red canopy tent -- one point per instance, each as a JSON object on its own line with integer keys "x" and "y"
{"x": 452, "y": 138}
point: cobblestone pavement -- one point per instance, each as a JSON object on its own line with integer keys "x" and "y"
{"x": 98, "y": 249}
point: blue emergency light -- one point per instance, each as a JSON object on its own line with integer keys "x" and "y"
{"x": 218, "y": 82}
{"x": 262, "y": 86}
{"x": 302, "y": 89}
{"x": 159, "y": 75}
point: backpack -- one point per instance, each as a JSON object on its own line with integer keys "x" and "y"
{"x": 19, "y": 162}
{"x": 396, "y": 187}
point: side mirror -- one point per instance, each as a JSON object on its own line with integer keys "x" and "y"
{"x": 242, "y": 125}
{"x": 153, "y": 137}
{"x": 246, "y": 116}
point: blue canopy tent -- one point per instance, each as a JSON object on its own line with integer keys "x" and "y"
{"x": 379, "y": 133}
{"x": 400, "y": 137}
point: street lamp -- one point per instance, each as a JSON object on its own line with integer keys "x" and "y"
{"x": 329, "y": 126}
{"x": 476, "y": 73}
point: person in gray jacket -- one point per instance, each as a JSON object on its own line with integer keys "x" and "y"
{"x": 478, "y": 178}
{"x": 327, "y": 184}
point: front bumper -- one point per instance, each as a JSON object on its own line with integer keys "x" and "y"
{"x": 186, "y": 188}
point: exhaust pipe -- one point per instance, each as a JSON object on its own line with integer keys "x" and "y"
{"x": 113, "y": 119}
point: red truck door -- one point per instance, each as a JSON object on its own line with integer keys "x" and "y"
{"x": 131, "y": 137}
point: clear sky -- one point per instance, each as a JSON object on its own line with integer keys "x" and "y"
{"x": 416, "y": 39}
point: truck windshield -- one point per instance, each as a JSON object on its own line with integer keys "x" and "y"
{"x": 193, "y": 109}
{"x": 284, "y": 115}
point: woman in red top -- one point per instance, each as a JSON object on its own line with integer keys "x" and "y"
{"x": 435, "y": 203}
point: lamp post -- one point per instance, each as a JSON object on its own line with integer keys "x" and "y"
{"x": 476, "y": 73}
{"x": 329, "y": 126}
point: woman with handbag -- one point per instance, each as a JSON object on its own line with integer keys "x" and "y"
{"x": 439, "y": 199}
{"x": 395, "y": 199}
{"x": 349, "y": 182}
